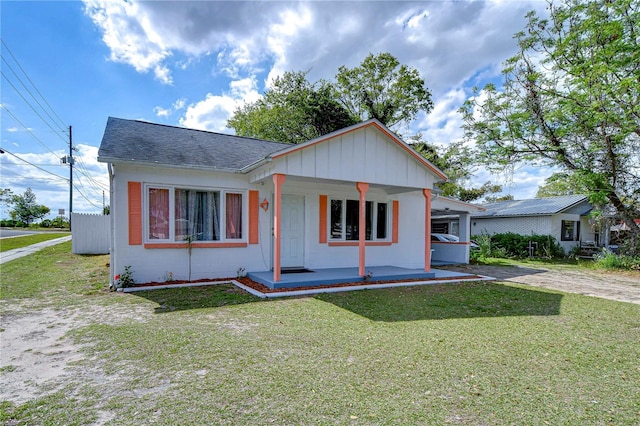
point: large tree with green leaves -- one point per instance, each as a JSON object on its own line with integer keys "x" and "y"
{"x": 381, "y": 88}
{"x": 559, "y": 184}
{"x": 293, "y": 110}
{"x": 26, "y": 209}
{"x": 571, "y": 99}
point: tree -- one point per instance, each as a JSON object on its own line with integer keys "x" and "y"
{"x": 5, "y": 196}
{"x": 26, "y": 209}
{"x": 559, "y": 184}
{"x": 293, "y": 111}
{"x": 496, "y": 199}
{"x": 381, "y": 88}
{"x": 571, "y": 99}
{"x": 456, "y": 160}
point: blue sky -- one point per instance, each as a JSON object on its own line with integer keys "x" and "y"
{"x": 73, "y": 63}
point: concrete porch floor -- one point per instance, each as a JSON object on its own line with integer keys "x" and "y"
{"x": 331, "y": 276}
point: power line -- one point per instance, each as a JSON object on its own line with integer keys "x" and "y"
{"x": 30, "y": 132}
{"x": 31, "y": 106}
{"x": 61, "y": 123}
{"x": 4, "y": 151}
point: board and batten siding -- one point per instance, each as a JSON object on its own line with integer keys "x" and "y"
{"x": 361, "y": 156}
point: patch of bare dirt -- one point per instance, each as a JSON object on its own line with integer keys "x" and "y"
{"x": 622, "y": 286}
{"x": 36, "y": 354}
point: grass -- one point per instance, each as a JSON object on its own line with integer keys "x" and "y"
{"x": 469, "y": 354}
{"x": 27, "y": 240}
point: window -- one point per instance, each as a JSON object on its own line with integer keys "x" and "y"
{"x": 570, "y": 231}
{"x": 202, "y": 215}
{"x": 345, "y": 220}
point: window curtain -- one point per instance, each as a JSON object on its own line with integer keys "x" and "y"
{"x": 234, "y": 216}
{"x": 197, "y": 215}
{"x": 158, "y": 214}
{"x": 181, "y": 215}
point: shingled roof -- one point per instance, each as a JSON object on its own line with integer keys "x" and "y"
{"x": 142, "y": 142}
{"x": 533, "y": 207}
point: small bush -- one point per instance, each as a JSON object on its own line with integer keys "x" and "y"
{"x": 609, "y": 260}
{"x": 511, "y": 245}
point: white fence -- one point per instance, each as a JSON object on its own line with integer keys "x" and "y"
{"x": 90, "y": 233}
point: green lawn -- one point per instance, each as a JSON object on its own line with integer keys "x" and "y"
{"x": 469, "y": 354}
{"x": 27, "y": 240}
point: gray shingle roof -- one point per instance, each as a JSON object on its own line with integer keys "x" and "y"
{"x": 532, "y": 207}
{"x": 149, "y": 143}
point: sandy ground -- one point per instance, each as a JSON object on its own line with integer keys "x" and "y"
{"x": 37, "y": 357}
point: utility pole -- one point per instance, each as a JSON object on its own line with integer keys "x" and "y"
{"x": 70, "y": 176}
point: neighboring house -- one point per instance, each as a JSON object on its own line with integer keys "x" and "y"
{"x": 191, "y": 204}
{"x": 564, "y": 218}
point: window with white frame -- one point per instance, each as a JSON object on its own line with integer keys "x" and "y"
{"x": 345, "y": 220}
{"x": 180, "y": 214}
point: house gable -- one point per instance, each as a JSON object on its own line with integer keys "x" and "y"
{"x": 367, "y": 152}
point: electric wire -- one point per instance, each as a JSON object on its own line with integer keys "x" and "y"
{"x": 56, "y": 132}
{"x": 63, "y": 125}
{"x": 4, "y": 151}
{"x": 30, "y": 132}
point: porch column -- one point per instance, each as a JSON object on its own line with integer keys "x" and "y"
{"x": 427, "y": 229}
{"x": 363, "y": 187}
{"x": 278, "y": 181}
{"x": 464, "y": 229}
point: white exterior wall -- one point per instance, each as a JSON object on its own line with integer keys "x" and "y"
{"x": 149, "y": 265}
{"x": 408, "y": 252}
{"x": 365, "y": 155}
{"x": 525, "y": 225}
{"x": 154, "y": 264}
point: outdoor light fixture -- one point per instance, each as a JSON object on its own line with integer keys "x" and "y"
{"x": 264, "y": 204}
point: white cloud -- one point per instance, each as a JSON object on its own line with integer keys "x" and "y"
{"x": 213, "y": 112}
{"x": 130, "y": 34}
{"x": 50, "y": 179}
{"x": 167, "y": 112}
{"x": 453, "y": 44}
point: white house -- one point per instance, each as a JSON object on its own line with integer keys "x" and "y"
{"x": 191, "y": 204}
{"x": 565, "y": 218}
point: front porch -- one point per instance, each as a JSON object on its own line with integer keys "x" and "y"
{"x": 333, "y": 276}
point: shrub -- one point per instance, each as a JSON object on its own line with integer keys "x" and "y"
{"x": 515, "y": 245}
{"x": 608, "y": 260}
{"x": 125, "y": 279}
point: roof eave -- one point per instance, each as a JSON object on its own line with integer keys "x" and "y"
{"x": 115, "y": 160}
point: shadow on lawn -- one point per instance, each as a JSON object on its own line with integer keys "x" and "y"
{"x": 446, "y": 301}
{"x": 181, "y": 299}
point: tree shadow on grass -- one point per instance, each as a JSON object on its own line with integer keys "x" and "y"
{"x": 446, "y": 301}
{"x": 202, "y": 297}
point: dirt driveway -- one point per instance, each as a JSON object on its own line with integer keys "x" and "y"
{"x": 620, "y": 286}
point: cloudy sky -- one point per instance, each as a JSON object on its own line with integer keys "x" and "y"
{"x": 72, "y": 63}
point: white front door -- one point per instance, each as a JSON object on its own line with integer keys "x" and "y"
{"x": 292, "y": 237}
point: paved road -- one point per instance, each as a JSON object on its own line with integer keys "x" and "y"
{"x": 10, "y": 255}
{"x": 15, "y": 232}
